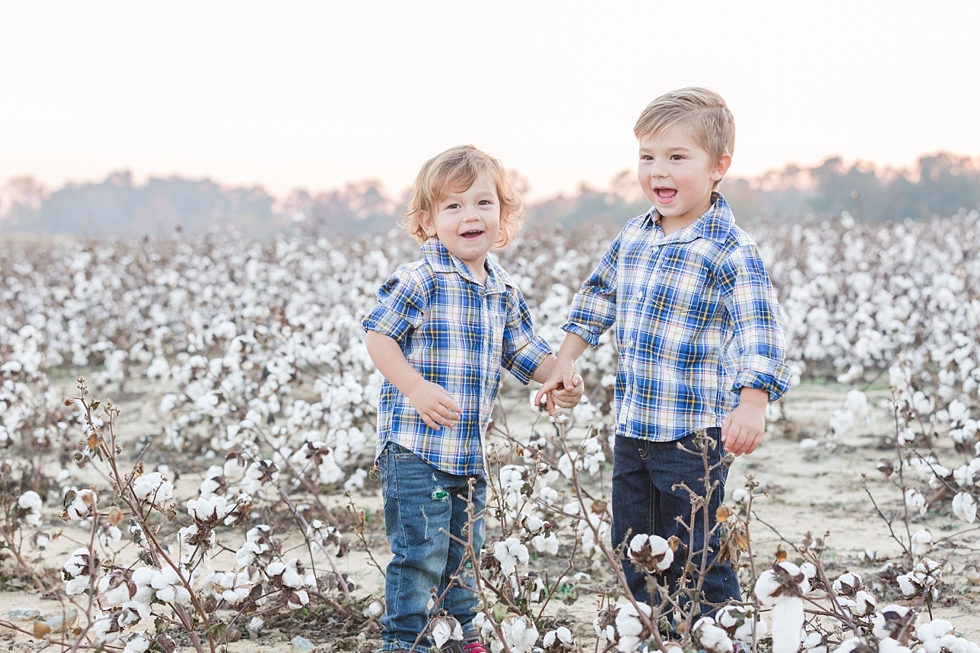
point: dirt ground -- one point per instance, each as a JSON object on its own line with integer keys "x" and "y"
{"x": 808, "y": 489}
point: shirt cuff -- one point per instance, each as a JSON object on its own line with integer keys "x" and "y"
{"x": 386, "y": 322}
{"x": 589, "y": 317}
{"x": 583, "y": 332}
{"x": 763, "y": 374}
{"x": 526, "y": 360}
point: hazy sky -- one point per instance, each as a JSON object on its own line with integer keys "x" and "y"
{"x": 291, "y": 94}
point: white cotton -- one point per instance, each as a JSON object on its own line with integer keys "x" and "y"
{"x": 710, "y": 637}
{"x": 915, "y": 502}
{"x": 787, "y": 621}
{"x": 445, "y": 628}
{"x": 510, "y": 553}
{"x": 965, "y": 507}
{"x": 30, "y": 500}
{"x": 921, "y": 542}
{"x": 153, "y": 488}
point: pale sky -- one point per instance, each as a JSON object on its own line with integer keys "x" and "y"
{"x": 316, "y": 94}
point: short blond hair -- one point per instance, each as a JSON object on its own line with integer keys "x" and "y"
{"x": 702, "y": 111}
{"x": 455, "y": 170}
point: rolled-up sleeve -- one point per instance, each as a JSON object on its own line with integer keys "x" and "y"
{"x": 400, "y": 308}
{"x": 759, "y": 344}
{"x": 522, "y": 350}
{"x": 593, "y": 308}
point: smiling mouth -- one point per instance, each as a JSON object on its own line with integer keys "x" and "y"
{"x": 472, "y": 233}
{"x": 665, "y": 194}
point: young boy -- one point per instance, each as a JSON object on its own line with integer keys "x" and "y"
{"x": 442, "y": 329}
{"x": 698, "y": 333}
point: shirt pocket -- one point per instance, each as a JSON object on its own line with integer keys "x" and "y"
{"x": 681, "y": 292}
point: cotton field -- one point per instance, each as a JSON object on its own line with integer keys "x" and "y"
{"x": 227, "y": 526}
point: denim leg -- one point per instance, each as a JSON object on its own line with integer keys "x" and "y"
{"x": 633, "y": 500}
{"x": 461, "y": 601}
{"x": 417, "y": 506}
{"x": 645, "y": 500}
{"x": 670, "y": 466}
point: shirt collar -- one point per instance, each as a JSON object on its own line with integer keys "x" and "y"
{"x": 714, "y": 224}
{"x": 442, "y": 261}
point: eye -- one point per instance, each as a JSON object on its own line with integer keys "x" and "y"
{"x": 676, "y": 157}
{"x": 486, "y": 202}
{"x": 452, "y": 205}
{"x": 646, "y": 157}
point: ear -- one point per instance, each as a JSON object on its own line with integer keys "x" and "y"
{"x": 428, "y": 226}
{"x": 721, "y": 167}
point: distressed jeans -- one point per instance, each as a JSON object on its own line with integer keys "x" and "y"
{"x": 645, "y": 500}
{"x": 423, "y": 505}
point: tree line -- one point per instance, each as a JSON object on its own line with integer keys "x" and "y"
{"x": 939, "y": 184}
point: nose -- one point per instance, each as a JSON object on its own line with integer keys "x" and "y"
{"x": 658, "y": 168}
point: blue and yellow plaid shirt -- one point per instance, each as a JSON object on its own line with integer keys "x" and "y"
{"x": 696, "y": 320}
{"x": 456, "y": 333}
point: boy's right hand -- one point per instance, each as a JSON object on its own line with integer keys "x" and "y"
{"x": 435, "y": 406}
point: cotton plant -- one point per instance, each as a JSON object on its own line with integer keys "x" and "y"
{"x": 235, "y": 326}
{"x": 559, "y": 639}
{"x": 622, "y": 625}
{"x": 519, "y": 632}
{"x": 782, "y": 588}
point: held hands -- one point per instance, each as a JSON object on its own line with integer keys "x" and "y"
{"x": 742, "y": 430}
{"x": 435, "y": 406}
{"x": 563, "y": 389}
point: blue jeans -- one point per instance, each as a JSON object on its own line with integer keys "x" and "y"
{"x": 423, "y": 505}
{"x": 645, "y": 501}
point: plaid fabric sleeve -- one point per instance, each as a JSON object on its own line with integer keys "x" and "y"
{"x": 759, "y": 346}
{"x": 522, "y": 351}
{"x": 400, "y": 308}
{"x": 593, "y": 308}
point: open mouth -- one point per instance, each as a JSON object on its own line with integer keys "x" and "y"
{"x": 472, "y": 233}
{"x": 665, "y": 195}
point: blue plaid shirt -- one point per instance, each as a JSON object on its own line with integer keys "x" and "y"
{"x": 696, "y": 320}
{"x": 456, "y": 333}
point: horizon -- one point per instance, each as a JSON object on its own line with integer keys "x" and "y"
{"x": 569, "y": 191}
{"x": 317, "y": 96}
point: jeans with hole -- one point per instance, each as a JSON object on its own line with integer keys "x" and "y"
{"x": 646, "y": 499}
{"x": 422, "y": 506}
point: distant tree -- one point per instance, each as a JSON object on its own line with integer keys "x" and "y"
{"x": 939, "y": 184}
{"x": 20, "y": 200}
{"x": 118, "y": 206}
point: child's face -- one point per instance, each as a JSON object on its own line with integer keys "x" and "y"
{"x": 467, "y": 222}
{"x": 677, "y": 175}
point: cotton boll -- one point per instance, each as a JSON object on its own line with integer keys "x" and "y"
{"x": 81, "y": 504}
{"x": 628, "y": 623}
{"x": 965, "y": 507}
{"x": 650, "y": 553}
{"x": 710, "y": 637}
{"x": 921, "y": 542}
{"x": 510, "y": 553}
{"x": 546, "y": 543}
{"x": 893, "y": 621}
{"x": 787, "y": 620}
{"x": 153, "y": 488}
{"x": 521, "y": 634}
{"x": 848, "y": 584}
{"x": 915, "y": 502}
{"x": 445, "y": 628}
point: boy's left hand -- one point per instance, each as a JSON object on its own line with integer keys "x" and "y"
{"x": 742, "y": 430}
{"x": 567, "y": 397}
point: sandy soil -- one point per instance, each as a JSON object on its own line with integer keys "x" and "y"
{"x": 815, "y": 490}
